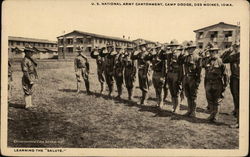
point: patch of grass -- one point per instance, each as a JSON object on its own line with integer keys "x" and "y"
{"x": 95, "y": 121}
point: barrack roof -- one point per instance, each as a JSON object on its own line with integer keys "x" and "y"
{"x": 97, "y": 36}
{"x": 31, "y": 40}
{"x": 211, "y": 26}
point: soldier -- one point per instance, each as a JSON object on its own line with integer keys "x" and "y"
{"x": 10, "y": 79}
{"x": 99, "y": 57}
{"x": 232, "y": 56}
{"x": 159, "y": 73}
{"x": 129, "y": 72}
{"x": 192, "y": 77}
{"x": 144, "y": 71}
{"x": 174, "y": 73}
{"x": 81, "y": 65}
{"x": 118, "y": 70}
{"x": 30, "y": 76}
{"x": 216, "y": 81}
{"x": 109, "y": 68}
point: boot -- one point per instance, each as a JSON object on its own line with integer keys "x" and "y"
{"x": 102, "y": 88}
{"x": 144, "y": 98}
{"x": 176, "y": 105}
{"x": 119, "y": 90}
{"x": 193, "y": 108}
{"x": 110, "y": 91}
{"x": 78, "y": 87}
{"x": 189, "y": 107}
{"x": 87, "y": 87}
{"x": 214, "y": 111}
{"x": 130, "y": 94}
{"x": 236, "y": 125}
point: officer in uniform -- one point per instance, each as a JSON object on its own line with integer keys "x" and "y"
{"x": 159, "y": 73}
{"x": 99, "y": 57}
{"x": 216, "y": 81}
{"x": 144, "y": 71}
{"x": 109, "y": 67}
{"x": 192, "y": 77}
{"x": 118, "y": 70}
{"x": 81, "y": 65}
{"x": 30, "y": 76}
{"x": 129, "y": 71}
{"x": 232, "y": 56}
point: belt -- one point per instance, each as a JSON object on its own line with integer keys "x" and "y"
{"x": 190, "y": 75}
{"x": 212, "y": 80}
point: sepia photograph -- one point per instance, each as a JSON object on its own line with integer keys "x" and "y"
{"x": 125, "y": 78}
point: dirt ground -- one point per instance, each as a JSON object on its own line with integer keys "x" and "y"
{"x": 63, "y": 118}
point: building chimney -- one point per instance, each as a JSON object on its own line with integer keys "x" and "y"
{"x": 123, "y": 36}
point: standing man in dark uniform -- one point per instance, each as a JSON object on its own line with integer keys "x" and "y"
{"x": 159, "y": 72}
{"x": 174, "y": 74}
{"x": 232, "y": 56}
{"x": 30, "y": 76}
{"x": 129, "y": 72}
{"x": 81, "y": 65}
{"x": 216, "y": 81}
{"x": 144, "y": 71}
{"x": 192, "y": 77}
{"x": 118, "y": 71}
{"x": 109, "y": 68}
{"x": 97, "y": 55}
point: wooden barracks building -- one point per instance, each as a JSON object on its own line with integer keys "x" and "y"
{"x": 67, "y": 43}
{"x": 44, "y": 48}
{"x": 222, "y": 34}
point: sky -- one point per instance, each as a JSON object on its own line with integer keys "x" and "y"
{"x": 48, "y": 19}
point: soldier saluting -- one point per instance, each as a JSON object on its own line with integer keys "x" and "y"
{"x": 30, "y": 76}
{"x": 144, "y": 70}
{"x": 118, "y": 70}
{"x": 109, "y": 68}
{"x": 174, "y": 72}
{"x": 129, "y": 71}
{"x": 232, "y": 56}
{"x": 99, "y": 57}
{"x": 192, "y": 77}
{"x": 216, "y": 81}
{"x": 159, "y": 72}
{"x": 81, "y": 65}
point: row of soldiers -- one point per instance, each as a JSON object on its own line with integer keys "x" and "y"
{"x": 174, "y": 68}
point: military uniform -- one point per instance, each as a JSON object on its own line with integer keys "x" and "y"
{"x": 159, "y": 73}
{"x": 81, "y": 65}
{"x": 144, "y": 73}
{"x": 28, "y": 66}
{"x": 129, "y": 74}
{"x": 100, "y": 67}
{"x": 174, "y": 77}
{"x": 109, "y": 72}
{"x": 233, "y": 58}
{"x": 118, "y": 73}
{"x": 191, "y": 80}
{"x": 216, "y": 80}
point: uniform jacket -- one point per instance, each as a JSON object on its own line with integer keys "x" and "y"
{"x": 234, "y": 61}
{"x": 81, "y": 61}
{"x": 28, "y": 66}
{"x": 215, "y": 69}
